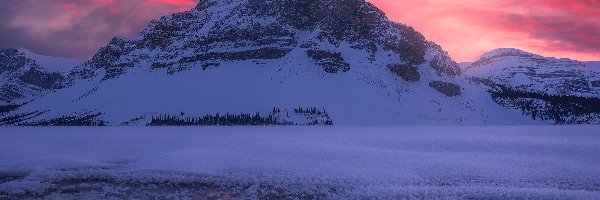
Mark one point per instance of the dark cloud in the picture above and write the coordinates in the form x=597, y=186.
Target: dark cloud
x=77, y=28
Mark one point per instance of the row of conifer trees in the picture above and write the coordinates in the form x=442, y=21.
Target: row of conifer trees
x=242, y=119
x=561, y=109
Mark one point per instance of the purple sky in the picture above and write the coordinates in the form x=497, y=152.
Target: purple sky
x=77, y=28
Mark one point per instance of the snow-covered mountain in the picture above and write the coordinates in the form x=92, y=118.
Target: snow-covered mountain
x=258, y=62
x=25, y=76
x=555, y=90
x=269, y=62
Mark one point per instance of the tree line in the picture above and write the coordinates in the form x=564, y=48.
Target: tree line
x=562, y=109
x=8, y=108
x=83, y=120
x=242, y=119
x=216, y=120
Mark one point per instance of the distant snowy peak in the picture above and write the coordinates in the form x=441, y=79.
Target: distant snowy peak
x=531, y=72
x=558, y=90
x=22, y=79
x=510, y=58
x=12, y=60
x=507, y=52
x=51, y=63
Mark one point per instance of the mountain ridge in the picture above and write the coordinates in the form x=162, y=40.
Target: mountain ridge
x=249, y=62
x=561, y=91
x=25, y=75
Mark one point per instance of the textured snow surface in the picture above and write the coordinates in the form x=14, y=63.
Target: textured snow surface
x=593, y=65
x=496, y=162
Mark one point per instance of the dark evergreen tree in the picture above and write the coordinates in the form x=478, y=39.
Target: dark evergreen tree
x=242, y=119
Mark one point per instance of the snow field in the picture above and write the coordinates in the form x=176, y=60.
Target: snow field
x=445, y=162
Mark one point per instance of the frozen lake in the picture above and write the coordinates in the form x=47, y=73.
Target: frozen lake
x=496, y=162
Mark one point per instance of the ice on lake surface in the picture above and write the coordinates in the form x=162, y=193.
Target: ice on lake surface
x=496, y=162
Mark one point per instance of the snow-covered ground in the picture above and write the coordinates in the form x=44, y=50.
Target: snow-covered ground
x=495, y=162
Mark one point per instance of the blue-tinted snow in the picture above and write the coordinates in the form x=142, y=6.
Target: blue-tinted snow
x=535, y=162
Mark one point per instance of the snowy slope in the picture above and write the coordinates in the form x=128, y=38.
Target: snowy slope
x=51, y=63
x=551, y=89
x=507, y=162
x=530, y=72
x=239, y=56
x=24, y=76
x=593, y=65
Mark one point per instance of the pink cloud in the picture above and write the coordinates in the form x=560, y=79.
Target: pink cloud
x=185, y=3
x=468, y=28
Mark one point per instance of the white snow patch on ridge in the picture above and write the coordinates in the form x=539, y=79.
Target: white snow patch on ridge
x=56, y=64
x=529, y=162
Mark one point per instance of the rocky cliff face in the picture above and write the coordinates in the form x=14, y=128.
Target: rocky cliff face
x=236, y=30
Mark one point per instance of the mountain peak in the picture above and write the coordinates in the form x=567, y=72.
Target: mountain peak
x=507, y=52
x=22, y=79
x=512, y=56
x=261, y=55
x=235, y=30
x=13, y=59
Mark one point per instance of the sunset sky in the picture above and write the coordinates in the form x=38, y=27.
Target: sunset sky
x=465, y=28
